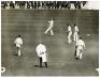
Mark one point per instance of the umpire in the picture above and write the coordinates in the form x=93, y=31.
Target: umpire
x=41, y=53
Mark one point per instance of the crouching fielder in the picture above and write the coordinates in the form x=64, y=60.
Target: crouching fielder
x=18, y=43
x=41, y=53
x=79, y=47
x=50, y=27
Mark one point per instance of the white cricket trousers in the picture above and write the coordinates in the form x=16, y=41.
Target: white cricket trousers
x=75, y=36
x=79, y=53
x=19, y=51
x=69, y=37
x=49, y=30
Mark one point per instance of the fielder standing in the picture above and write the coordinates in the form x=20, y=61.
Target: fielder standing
x=69, y=29
x=41, y=53
x=50, y=27
x=75, y=34
x=18, y=43
x=79, y=47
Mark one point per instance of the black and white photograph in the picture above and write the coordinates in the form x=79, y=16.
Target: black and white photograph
x=49, y=38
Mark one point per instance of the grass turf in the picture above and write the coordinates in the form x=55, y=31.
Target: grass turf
x=31, y=24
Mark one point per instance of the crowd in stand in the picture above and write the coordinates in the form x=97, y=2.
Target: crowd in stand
x=43, y=4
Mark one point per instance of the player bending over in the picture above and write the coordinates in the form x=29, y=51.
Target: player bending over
x=79, y=47
x=18, y=43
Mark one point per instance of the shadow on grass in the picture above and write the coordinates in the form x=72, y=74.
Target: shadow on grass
x=36, y=66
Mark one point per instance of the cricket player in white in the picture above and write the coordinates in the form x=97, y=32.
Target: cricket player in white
x=18, y=42
x=76, y=31
x=79, y=47
x=50, y=28
x=69, y=34
x=41, y=53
